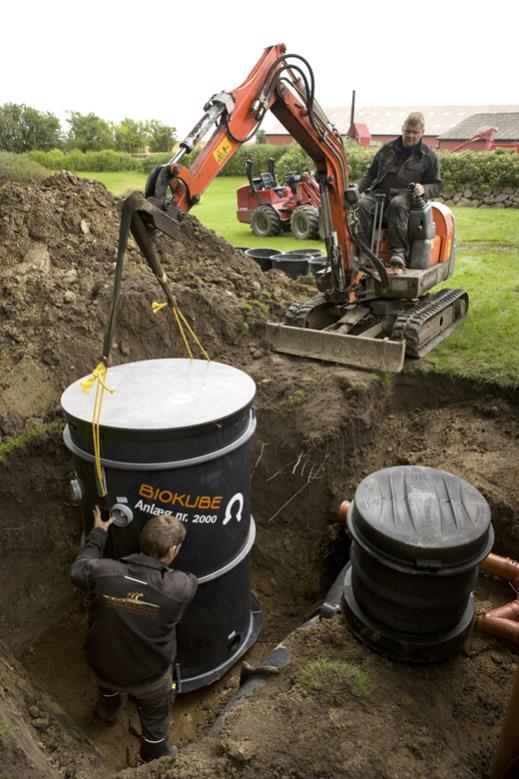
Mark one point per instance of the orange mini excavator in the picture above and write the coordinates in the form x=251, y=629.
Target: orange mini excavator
x=363, y=315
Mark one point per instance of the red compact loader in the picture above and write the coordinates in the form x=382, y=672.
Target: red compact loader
x=270, y=208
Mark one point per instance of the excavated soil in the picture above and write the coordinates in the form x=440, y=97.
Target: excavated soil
x=321, y=428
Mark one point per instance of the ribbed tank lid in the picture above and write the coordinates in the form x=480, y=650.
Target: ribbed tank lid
x=423, y=516
x=164, y=394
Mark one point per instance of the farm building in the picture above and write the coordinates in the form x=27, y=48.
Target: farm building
x=385, y=122
x=481, y=132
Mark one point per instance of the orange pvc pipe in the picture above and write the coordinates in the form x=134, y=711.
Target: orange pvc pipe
x=505, y=761
x=342, y=511
x=504, y=567
x=508, y=611
x=506, y=629
x=503, y=623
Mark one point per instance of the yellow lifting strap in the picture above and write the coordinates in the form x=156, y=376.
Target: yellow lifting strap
x=182, y=325
x=98, y=377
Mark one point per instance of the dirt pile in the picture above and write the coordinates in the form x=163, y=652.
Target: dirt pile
x=58, y=245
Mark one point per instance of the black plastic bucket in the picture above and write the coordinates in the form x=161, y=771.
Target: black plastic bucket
x=418, y=536
x=175, y=439
x=263, y=257
x=293, y=265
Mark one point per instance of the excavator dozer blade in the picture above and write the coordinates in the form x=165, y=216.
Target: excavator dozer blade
x=354, y=350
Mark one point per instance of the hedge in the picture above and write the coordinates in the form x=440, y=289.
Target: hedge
x=106, y=160
x=499, y=168
x=17, y=167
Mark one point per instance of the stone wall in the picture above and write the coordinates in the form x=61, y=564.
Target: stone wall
x=476, y=196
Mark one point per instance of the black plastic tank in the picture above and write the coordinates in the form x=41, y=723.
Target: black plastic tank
x=175, y=439
x=293, y=265
x=263, y=257
x=418, y=536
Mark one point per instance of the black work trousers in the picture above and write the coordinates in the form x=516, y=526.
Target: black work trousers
x=396, y=214
x=154, y=700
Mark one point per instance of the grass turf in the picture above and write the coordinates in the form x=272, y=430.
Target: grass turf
x=119, y=183
x=484, y=348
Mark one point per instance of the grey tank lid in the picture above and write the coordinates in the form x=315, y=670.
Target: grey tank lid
x=164, y=394
x=423, y=516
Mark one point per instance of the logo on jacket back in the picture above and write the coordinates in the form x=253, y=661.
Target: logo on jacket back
x=133, y=602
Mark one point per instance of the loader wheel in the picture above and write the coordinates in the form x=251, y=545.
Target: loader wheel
x=304, y=223
x=265, y=221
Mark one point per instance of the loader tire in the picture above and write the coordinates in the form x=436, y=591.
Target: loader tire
x=304, y=223
x=265, y=221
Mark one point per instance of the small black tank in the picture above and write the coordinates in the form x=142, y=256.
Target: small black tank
x=418, y=536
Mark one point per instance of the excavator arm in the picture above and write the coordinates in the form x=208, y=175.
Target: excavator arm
x=282, y=83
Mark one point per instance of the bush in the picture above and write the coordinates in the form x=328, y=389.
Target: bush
x=109, y=160
x=75, y=159
x=499, y=168
x=17, y=167
x=359, y=158
x=294, y=160
x=146, y=164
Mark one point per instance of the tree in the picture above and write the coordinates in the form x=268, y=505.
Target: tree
x=261, y=136
x=23, y=129
x=130, y=136
x=161, y=137
x=88, y=132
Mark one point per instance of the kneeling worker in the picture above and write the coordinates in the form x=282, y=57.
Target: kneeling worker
x=135, y=606
x=396, y=165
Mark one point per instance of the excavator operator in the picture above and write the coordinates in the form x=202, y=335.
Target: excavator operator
x=396, y=165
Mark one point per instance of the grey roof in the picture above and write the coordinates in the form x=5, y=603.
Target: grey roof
x=387, y=120
x=505, y=124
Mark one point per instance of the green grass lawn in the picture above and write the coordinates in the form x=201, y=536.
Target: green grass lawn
x=217, y=211
x=485, y=347
x=119, y=183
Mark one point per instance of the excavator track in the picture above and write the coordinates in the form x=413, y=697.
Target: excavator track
x=430, y=321
x=313, y=330
x=298, y=313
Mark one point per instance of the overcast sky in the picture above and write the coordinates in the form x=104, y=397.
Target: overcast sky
x=163, y=60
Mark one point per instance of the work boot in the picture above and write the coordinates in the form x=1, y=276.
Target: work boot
x=152, y=751
x=110, y=705
x=397, y=260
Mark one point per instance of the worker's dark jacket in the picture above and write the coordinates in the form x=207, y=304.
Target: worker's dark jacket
x=136, y=603
x=387, y=173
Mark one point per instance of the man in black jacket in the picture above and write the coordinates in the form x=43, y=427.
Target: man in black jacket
x=135, y=606
x=396, y=165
